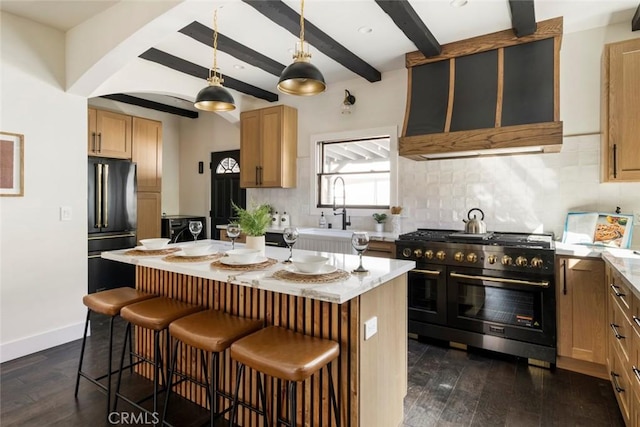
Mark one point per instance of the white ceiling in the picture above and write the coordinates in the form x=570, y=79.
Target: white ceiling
x=383, y=48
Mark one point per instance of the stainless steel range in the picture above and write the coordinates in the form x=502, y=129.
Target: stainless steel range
x=492, y=290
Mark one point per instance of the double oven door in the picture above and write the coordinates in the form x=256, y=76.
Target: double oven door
x=505, y=304
x=491, y=302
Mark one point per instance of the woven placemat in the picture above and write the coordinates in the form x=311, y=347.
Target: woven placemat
x=185, y=258
x=290, y=276
x=259, y=266
x=155, y=252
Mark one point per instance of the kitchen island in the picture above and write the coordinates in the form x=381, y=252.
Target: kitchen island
x=371, y=373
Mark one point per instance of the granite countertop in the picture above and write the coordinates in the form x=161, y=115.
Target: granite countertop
x=381, y=270
x=332, y=233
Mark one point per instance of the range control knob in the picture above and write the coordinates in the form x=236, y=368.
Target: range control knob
x=418, y=253
x=492, y=259
x=506, y=260
x=536, y=262
x=406, y=252
x=428, y=254
x=459, y=256
x=441, y=255
x=472, y=257
x=521, y=261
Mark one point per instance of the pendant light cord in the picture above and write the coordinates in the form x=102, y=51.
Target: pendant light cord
x=213, y=72
x=302, y=25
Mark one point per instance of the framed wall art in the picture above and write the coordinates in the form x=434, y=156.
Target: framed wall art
x=11, y=164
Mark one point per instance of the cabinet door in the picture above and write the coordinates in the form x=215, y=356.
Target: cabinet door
x=581, y=300
x=271, y=132
x=114, y=135
x=92, y=133
x=242, y=238
x=621, y=127
x=147, y=153
x=149, y=215
x=381, y=249
x=250, y=150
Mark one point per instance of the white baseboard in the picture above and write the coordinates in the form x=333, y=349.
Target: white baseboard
x=25, y=346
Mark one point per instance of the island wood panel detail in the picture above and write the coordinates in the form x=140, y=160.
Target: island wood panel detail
x=338, y=322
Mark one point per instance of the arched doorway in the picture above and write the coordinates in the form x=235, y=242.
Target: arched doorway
x=225, y=187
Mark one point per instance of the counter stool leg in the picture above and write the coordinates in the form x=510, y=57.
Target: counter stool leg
x=156, y=369
x=263, y=400
x=332, y=396
x=174, y=359
x=84, y=342
x=213, y=390
x=293, y=387
x=127, y=333
x=131, y=353
x=279, y=403
x=234, y=409
x=109, y=364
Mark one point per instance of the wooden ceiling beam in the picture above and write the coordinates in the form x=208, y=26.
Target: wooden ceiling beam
x=635, y=21
x=287, y=18
x=195, y=70
x=145, y=103
x=523, y=17
x=407, y=20
x=204, y=35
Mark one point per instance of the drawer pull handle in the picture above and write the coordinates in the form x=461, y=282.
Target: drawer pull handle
x=615, y=291
x=637, y=372
x=614, y=379
x=432, y=272
x=615, y=331
x=637, y=320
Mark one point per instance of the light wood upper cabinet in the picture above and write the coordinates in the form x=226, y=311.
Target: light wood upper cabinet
x=268, y=147
x=147, y=153
x=581, y=310
x=149, y=214
x=620, y=110
x=109, y=134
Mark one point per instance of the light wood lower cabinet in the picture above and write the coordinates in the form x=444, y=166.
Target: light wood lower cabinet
x=623, y=358
x=381, y=249
x=581, y=315
x=242, y=238
x=149, y=214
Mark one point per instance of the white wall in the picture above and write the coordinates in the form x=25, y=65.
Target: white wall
x=170, y=147
x=43, y=264
x=531, y=192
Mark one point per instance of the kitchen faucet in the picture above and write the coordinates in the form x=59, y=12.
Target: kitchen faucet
x=344, y=203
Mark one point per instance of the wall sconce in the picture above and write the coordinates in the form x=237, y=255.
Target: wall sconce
x=348, y=102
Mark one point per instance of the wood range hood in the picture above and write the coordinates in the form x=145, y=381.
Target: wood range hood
x=495, y=94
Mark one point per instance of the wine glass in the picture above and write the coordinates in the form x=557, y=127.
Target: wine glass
x=233, y=231
x=360, y=242
x=290, y=235
x=195, y=227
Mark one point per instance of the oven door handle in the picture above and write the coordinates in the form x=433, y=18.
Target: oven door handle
x=431, y=272
x=543, y=284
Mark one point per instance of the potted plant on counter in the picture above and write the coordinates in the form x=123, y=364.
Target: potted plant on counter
x=254, y=223
x=380, y=220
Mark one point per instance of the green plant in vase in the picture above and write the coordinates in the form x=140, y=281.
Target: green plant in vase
x=254, y=223
x=380, y=219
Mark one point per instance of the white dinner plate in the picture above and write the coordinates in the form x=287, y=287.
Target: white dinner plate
x=181, y=254
x=258, y=260
x=326, y=269
x=142, y=248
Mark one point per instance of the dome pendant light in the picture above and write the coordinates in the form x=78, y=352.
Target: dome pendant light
x=215, y=97
x=301, y=78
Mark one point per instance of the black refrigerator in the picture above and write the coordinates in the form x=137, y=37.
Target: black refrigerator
x=112, y=211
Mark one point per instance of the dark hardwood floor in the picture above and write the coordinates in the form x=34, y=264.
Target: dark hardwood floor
x=447, y=387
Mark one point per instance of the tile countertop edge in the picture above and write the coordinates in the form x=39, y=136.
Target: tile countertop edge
x=334, y=292
x=624, y=261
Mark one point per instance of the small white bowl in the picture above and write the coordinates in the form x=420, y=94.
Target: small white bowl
x=243, y=256
x=154, y=244
x=196, y=250
x=309, y=263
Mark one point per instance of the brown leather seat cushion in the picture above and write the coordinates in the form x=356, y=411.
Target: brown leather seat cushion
x=285, y=354
x=157, y=313
x=111, y=302
x=212, y=330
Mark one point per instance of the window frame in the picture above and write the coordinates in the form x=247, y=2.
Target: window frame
x=315, y=160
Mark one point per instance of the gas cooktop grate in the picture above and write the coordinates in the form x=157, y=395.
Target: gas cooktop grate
x=528, y=240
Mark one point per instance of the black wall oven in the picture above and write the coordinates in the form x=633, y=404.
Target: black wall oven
x=492, y=296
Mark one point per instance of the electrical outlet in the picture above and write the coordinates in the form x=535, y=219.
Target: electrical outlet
x=370, y=327
x=66, y=213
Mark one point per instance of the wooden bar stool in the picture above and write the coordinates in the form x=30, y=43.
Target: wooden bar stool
x=285, y=355
x=109, y=303
x=212, y=332
x=155, y=315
